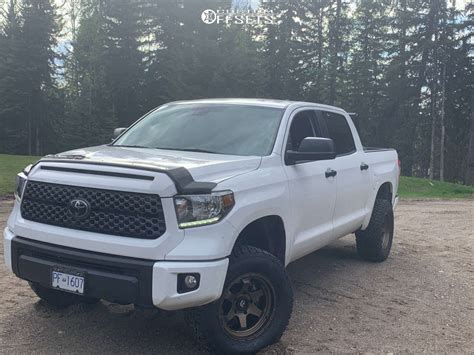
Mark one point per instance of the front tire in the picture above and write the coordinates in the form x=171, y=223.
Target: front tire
x=255, y=306
x=375, y=242
x=59, y=299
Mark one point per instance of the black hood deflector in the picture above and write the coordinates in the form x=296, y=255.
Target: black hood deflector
x=181, y=177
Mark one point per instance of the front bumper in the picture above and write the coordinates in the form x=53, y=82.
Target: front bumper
x=116, y=278
x=395, y=201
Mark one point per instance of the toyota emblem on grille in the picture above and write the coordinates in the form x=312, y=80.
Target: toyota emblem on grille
x=79, y=208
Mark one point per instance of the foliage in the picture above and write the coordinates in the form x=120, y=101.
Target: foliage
x=412, y=187
x=12, y=165
x=26, y=74
x=405, y=67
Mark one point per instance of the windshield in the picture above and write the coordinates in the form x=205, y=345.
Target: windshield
x=213, y=128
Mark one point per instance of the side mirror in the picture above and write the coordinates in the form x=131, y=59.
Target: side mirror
x=312, y=149
x=118, y=132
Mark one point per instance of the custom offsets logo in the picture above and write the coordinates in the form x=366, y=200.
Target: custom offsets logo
x=238, y=17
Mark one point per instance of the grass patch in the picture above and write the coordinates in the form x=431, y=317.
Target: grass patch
x=10, y=165
x=412, y=187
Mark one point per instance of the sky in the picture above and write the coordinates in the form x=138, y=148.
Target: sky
x=246, y=3
x=255, y=3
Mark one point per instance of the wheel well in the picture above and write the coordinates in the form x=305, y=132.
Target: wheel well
x=267, y=233
x=385, y=192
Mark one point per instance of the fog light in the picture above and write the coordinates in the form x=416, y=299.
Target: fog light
x=188, y=282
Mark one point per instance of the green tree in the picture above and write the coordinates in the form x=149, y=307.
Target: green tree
x=408, y=53
x=284, y=49
x=27, y=65
x=365, y=85
x=187, y=52
x=123, y=59
x=457, y=62
x=13, y=93
x=90, y=117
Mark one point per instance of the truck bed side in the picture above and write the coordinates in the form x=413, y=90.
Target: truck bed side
x=384, y=170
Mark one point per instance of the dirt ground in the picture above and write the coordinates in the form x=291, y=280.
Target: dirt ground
x=420, y=300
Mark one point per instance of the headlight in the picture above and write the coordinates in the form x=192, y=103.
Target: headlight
x=200, y=210
x=20, y=181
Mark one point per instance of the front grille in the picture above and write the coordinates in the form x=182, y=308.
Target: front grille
x=126, y=214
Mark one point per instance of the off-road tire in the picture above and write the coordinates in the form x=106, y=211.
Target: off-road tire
x=374, y=243
x=209, y=327
x=59, y=299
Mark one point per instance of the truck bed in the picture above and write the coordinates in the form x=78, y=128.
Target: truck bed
x=375, y=149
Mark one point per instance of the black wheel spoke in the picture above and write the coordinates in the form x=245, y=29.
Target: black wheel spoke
x=256, y=295
x=247, y=284
x=253, y=309
x=242, y=320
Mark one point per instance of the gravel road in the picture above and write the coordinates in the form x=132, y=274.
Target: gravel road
x=420, y=300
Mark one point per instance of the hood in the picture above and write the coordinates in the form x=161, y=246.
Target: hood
x=202, y=166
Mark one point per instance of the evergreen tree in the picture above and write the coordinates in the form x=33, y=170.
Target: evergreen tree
x=405, y=67
x=365, y=87
x=13, y=93
x=123, y=59
x=187, y=52
x=89, y=108
x=27, y=66
x=316, y=90
x=456, y=56
x=339, y=28
x=405, y=77
x=239, y=71
x=284, y=49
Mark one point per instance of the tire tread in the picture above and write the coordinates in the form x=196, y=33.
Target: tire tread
x=197, y=316
x=368, y=241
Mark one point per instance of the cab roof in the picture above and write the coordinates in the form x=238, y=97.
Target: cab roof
x=283, y=104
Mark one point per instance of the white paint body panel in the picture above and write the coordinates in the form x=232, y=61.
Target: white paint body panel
x=7, y=247
x=165, y=276
x=315, y=210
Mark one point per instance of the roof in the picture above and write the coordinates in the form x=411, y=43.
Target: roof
x=257, y=102
x=239, y=101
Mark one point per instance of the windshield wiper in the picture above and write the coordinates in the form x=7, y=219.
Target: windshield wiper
x=198, y=150
x=164, y=148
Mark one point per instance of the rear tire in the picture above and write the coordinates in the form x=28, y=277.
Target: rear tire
x=59, y=299
x=255, y=306
x=375, y=242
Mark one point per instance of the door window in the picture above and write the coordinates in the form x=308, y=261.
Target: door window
x=340, y=132
x=302, y=126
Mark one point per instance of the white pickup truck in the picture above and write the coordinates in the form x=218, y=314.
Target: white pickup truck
x=202, y=204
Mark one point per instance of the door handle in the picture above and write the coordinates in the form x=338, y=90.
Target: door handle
x=330, y=172
x=364, y=166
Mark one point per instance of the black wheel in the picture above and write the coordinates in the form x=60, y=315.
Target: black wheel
x=255, y=306
x=59, y=299
x=375, y=242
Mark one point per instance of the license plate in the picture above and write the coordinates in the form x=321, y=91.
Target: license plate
x=68, y=281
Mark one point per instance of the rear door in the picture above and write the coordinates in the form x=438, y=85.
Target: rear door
x=352, y=179
x=312, y=194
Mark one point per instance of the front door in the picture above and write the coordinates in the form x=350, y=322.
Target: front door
x=312, y=194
